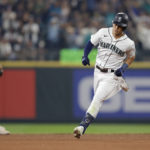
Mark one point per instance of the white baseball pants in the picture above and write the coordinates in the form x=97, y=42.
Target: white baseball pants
x=106, y=85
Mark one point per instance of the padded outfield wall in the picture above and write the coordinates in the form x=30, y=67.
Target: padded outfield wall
x=55, y=92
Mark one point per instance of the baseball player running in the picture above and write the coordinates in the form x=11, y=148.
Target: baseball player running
x=116, y=52
x=3, y=131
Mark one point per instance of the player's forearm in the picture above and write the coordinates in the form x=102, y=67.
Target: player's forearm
x=130, y=60
x=88, y=48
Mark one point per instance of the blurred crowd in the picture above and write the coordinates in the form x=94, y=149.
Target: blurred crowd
x=39, y=29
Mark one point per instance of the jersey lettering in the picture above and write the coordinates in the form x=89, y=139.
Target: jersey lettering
x=112, y=47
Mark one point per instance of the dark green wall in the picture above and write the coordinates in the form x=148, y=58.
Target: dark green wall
x=54, y=94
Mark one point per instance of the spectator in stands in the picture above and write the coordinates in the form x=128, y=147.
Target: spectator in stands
x=64, y=24
x=5, y=49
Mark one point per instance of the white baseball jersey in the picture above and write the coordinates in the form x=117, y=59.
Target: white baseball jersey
x=112, y=52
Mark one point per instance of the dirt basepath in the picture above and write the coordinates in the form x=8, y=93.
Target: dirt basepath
x=68, y=142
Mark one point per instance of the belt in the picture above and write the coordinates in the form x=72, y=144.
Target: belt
x=105, y=69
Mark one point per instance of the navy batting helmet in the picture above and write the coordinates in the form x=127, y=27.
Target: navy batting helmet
x=121, y=19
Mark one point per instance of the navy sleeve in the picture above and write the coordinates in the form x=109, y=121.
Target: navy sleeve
x=88, y=48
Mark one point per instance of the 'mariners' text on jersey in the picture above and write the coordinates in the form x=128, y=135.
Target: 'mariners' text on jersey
x=112, y=47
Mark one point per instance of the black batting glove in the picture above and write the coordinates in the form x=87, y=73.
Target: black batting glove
x=85, y=61
x=119, y=72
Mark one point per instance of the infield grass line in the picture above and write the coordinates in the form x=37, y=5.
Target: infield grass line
x=52, y=128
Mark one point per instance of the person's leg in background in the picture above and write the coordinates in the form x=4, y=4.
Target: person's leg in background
x=3, y=131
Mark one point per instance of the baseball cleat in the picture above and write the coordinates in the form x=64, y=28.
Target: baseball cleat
x=3, y=131
x=78, y=131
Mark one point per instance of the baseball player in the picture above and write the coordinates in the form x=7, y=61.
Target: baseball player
x=116, y=52
x=3, y=131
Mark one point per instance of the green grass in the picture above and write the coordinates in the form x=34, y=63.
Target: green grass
x=32, y=128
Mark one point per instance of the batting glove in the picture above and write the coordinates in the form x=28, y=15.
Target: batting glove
x=119, y=72
x=85, y=61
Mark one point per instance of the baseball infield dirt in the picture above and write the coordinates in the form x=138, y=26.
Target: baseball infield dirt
x=68, y=142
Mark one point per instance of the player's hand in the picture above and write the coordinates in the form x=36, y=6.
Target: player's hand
x=119, y=72
x=85, y=61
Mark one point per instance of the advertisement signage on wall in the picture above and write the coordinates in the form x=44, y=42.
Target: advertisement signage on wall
x=134, y=104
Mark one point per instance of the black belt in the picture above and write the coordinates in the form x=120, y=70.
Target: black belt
x=105, y=69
